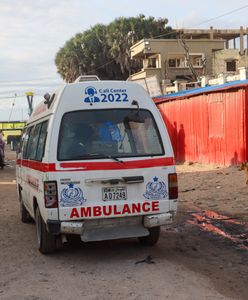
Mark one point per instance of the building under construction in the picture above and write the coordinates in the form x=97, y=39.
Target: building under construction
x=193, y=54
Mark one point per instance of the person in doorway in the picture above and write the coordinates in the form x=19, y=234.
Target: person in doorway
x=2, y=144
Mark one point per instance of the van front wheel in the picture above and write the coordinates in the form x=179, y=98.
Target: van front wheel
x=152, y=238
x=46, y=241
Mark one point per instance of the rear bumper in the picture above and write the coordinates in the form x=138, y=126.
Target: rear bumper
x=79, y=227
x=157, y=220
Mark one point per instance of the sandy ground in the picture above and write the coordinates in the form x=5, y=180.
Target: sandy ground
x=204, y=255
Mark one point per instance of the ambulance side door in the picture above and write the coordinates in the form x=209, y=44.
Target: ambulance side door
x=24, y=170
x=33, y=176
x=19, y=157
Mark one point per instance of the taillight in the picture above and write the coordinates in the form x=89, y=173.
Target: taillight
x=50, y=194
x=173, y=187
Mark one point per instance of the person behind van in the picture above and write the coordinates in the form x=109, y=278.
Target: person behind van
x=105, y=138
x=109, y=132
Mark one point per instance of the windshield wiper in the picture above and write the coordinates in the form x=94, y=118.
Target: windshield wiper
x=115, y=158
x=100, y=155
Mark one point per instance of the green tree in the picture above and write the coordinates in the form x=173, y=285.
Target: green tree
x=104, y=50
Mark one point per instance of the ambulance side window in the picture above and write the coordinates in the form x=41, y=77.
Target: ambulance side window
x=42, y=141
x=25, y=142
x=22, y=141
x=33, y=141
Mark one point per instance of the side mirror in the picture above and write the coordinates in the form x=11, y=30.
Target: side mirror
x=49, y=99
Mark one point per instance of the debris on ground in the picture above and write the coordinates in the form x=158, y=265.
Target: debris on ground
x=147, y=260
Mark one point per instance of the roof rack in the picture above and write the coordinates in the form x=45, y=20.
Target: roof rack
x=87, y=78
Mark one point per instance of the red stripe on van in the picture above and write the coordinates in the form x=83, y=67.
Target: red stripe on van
x=145, y=163
x=36, y=165
x=90, y=166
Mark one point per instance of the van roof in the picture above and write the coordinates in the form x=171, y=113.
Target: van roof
x=83, y=78
x=108, y=94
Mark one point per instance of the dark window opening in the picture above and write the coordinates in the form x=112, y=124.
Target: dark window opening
x=152, y=62
x=172, y=63
x=231, y=66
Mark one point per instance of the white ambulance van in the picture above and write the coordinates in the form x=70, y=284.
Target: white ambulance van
x=95, y=160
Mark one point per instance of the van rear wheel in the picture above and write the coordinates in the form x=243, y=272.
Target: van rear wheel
x=46, y=241
x=152, y=238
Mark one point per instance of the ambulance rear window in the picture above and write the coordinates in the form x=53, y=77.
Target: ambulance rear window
x=108, y=133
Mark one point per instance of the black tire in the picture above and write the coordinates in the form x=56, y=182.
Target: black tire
x=46, y=241
x=25, y=216
x=152, y=238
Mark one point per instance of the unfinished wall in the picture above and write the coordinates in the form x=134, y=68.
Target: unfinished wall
x=221, y=57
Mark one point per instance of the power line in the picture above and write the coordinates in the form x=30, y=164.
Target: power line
x=220, y=16
x=28, y=80
x=217, y=17
x=11, y=97
x=102, y=66
x=17, y=96
x=165, y=34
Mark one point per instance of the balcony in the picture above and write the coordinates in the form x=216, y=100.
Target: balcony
x=147, y=72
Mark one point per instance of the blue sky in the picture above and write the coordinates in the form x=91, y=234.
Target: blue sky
x=32, y=31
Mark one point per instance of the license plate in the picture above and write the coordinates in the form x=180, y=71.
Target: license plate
x=114, y=193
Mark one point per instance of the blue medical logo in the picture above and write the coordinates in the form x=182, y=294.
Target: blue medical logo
x=91, y=91
x=155, y=190
x=71, y=196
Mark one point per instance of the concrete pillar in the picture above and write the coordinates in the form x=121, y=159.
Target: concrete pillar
x=204, y=81
x=222, y=78
x=211, y=33
x=243, y=73
x=227, y=44
x=241, y=40
x=246, y=37
x=176, y=86
x=234, y=43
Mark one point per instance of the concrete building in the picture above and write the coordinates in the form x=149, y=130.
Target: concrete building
x=228, y=61
x=195, y=53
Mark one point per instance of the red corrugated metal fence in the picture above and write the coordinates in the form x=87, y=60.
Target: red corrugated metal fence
x=210, y=127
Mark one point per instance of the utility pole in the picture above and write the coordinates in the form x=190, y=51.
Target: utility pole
x=187, y=57
x=12, y=107
x=30, y=96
